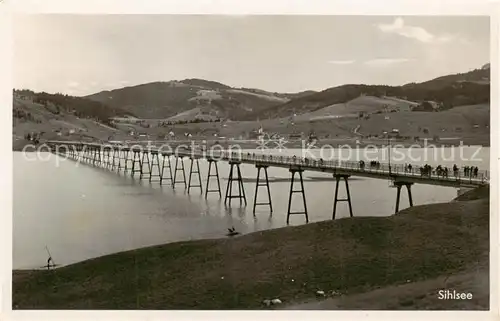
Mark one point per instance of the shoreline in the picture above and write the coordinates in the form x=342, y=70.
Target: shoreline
x=18, y=145
x=295, y=263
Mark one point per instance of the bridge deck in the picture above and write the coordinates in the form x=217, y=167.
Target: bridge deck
x=394, y=172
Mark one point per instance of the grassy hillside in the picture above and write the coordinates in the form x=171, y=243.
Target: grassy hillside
x=478, y=75
x=201, y=99
x=452, y=90
x=351, y=255
x=455, y=122
x=54, y=123
x=81, y=107
x=458, y=122
x=162, y=100
x=166, y=105
x=362, y=104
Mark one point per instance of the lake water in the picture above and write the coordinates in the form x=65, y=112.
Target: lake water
x=80, y=212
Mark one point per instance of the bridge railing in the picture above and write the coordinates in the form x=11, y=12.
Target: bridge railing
x=353, y=166
x=382, y=168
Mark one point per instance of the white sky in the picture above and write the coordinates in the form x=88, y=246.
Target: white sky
x=84, y=54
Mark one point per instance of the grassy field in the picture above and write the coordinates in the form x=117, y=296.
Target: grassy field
x=469, y=124
x=349, y=256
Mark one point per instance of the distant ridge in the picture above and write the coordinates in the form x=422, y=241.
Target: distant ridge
x=190, y=99
x=468, y=88
x=199, y=99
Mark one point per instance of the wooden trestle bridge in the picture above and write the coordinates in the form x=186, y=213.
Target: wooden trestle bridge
x=154, y=164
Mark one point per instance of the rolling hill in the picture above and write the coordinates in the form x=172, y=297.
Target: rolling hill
x=194, y=105
x=469, y=88
x=80, y=107
x=361, y=104
x=198, y=99
x=191, y=99
x=50, y=121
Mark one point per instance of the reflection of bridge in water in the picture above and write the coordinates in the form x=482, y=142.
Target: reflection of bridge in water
x=154, y=164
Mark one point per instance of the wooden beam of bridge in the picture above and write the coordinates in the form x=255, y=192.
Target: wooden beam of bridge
x=395, y=173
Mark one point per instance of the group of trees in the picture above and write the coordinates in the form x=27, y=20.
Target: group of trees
x=190, y=121
x=35, y=137
x=24, y=116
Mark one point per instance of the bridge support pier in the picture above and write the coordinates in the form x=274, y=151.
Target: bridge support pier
x=126, y=158
x=136, y=163
x=169, y=166
x=196, y=171
x=257, y=184
x=111, y=160
x=179, y=169
x=100, y=157
x=122, y=160
x=216, y=175
x=239, y=179
x=155, y=157
x=104, y=157
x=145, y=161
x=348, y=199
x=408, y=188
x=292, y=191
x=115, y=158
x=97, y=157
x=92, y=156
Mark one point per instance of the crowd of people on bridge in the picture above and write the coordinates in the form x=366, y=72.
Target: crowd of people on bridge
x=443, y=171
x=471, y=171
x=425, y=170
x=428, y=170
